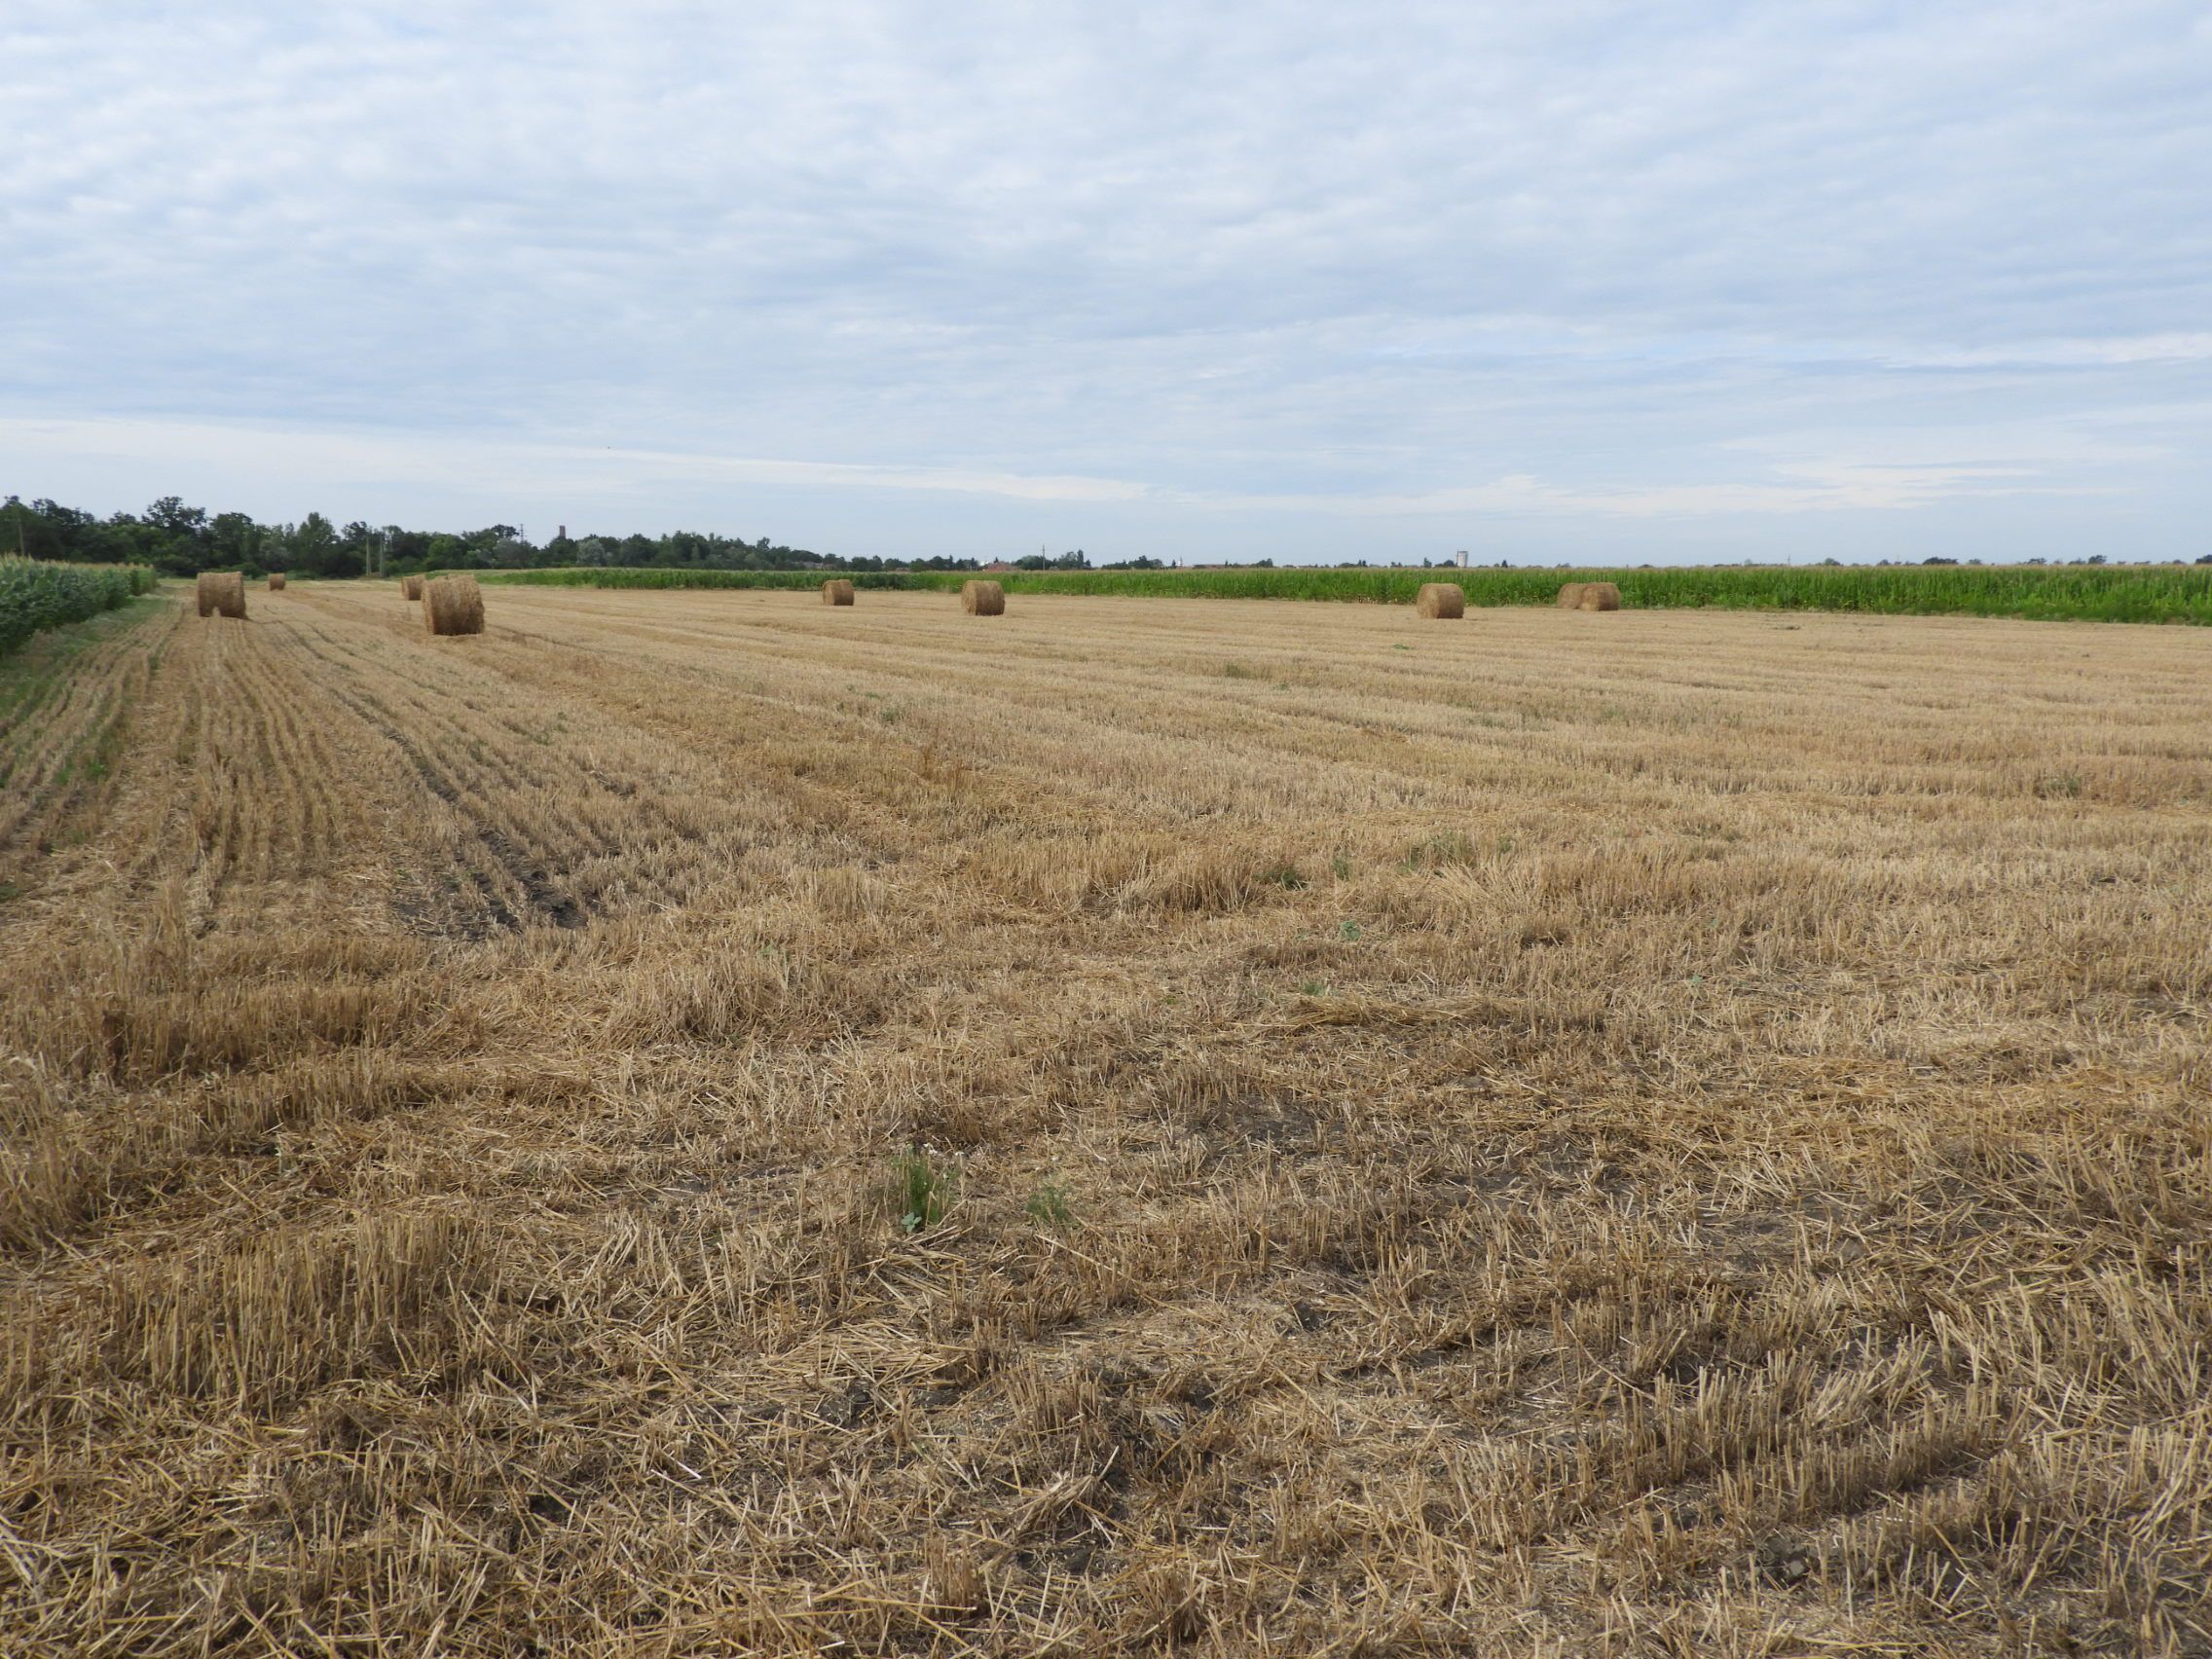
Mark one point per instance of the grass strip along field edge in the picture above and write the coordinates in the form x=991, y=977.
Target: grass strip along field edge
x=37, y=594
x=2099, y=593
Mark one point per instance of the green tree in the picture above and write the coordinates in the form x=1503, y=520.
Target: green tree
x=315, y=550
x=15, y=527
x=232, y=539
x=360, y=543
x=173, y=518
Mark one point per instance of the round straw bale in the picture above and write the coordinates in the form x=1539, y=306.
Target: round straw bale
x=452, y=605
x=837, y=591
x=1570, y=595
x=1600, y=596
x=411, y=588
x=275, y=581
x=982, y=599
x=220, y=593
x=1444, y=600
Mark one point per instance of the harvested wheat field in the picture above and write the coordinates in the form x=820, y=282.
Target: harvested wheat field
x=702, y=1123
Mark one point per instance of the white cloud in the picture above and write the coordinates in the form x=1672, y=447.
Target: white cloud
x=364, y=461
x=2193, y=347
x=1832, y=488
x=1177, y=264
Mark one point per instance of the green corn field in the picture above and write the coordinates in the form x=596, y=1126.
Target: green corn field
x=38, y=593
x=2100, y=593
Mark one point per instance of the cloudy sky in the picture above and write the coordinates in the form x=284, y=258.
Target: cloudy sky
x=1564, y=279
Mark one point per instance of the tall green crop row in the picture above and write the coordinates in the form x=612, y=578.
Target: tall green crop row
x=2106, y=593
x=37, y=593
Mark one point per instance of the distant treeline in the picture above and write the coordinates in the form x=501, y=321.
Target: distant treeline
x=177, y=540
x=2088, y=592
